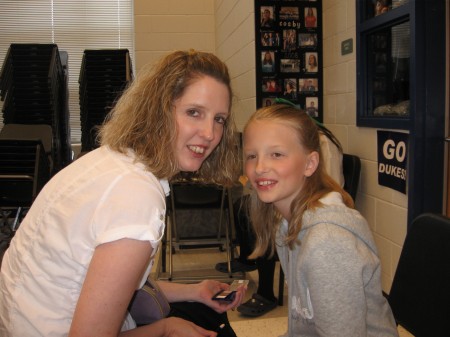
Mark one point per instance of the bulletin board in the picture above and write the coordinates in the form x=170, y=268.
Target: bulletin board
x=289, y=60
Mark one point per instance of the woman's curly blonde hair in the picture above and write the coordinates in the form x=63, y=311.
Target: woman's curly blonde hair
x=143, y=119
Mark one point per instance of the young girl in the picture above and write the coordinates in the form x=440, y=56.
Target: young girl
x=89, y=240
x=264, y=299
x=325, y=246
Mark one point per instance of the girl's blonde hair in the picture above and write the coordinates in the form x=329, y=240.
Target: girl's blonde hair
x=143, y=119
x=264, y=216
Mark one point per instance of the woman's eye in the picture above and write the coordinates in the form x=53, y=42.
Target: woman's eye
x=277, y=155
x=221, y=120
x=192, y=112
x=250, y=156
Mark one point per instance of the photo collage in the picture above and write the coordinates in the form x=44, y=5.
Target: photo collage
x=289, y=53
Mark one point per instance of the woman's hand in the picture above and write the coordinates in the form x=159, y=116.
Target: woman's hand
x=208, y=288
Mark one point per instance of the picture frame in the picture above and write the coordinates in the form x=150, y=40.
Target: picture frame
x=286, y=37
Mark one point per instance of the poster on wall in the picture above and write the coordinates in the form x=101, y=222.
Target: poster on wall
x=392, y=159
x=288, y=40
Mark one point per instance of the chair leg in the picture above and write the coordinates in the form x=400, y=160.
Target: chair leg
x=169, y=247
x=164, y=250
x=16, y=222
x=231, y=224
x=228, y=248
x=281, y=287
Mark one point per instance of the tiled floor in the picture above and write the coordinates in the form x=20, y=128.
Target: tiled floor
x=189, y=262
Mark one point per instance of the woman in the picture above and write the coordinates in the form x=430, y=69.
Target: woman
x=311, y=66
x=310, y=18
x=267, y=62
x=266, y=19
x=290, y=91
x=325, y=246
x=89, y=240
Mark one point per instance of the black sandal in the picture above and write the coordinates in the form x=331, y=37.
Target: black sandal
x=256, y=306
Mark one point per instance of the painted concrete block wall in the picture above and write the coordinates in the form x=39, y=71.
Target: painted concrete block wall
x=226, y=27
x=384, y=209
x=235, y=44
x=162, y=26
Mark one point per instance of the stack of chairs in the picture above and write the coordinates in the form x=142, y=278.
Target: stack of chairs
x=24, y=170
x=104, y=74
x=34, y=88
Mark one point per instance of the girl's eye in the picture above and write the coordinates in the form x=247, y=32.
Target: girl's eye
x=277, y=155
x=220, y=120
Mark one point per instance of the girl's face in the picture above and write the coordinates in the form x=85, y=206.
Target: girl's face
x=276, y=163
x=200, y=113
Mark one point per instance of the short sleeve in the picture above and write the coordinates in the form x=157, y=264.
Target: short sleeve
x=134, y=208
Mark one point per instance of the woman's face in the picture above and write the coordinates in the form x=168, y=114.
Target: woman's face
x=311, y=60
x=200, y=114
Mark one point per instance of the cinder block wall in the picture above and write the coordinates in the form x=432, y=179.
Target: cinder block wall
x=162, y=26
x=384, y=208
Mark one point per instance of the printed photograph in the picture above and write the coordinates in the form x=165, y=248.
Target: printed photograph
x=268, y=101
x=289, y=40
x=290, y=88
x=270, y=84
x=308, y=85
x=289, y=13
x=267, y=17
x=270, y=39
x=289, y=65
x=312, y=106
x=268, y=61
x=310, y=17
x=311, y=63
x=307, y=40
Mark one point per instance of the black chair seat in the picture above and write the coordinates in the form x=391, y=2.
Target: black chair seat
x=420, y=292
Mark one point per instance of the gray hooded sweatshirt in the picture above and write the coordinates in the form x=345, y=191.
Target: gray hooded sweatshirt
x=334, y=276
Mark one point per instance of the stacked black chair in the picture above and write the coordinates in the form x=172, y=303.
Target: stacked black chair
x=34, y=87
x=104, y=74
x=24, y=170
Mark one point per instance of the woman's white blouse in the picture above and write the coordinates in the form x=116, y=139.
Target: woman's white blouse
x=102, y=197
